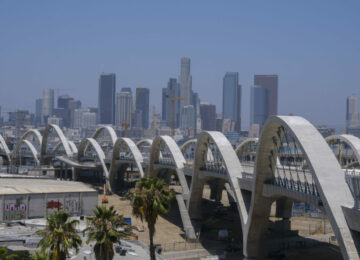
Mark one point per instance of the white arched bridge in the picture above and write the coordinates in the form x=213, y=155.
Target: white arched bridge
x=290, y=162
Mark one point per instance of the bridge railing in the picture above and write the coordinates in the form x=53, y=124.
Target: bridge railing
x=215, y=167
x=126, y=157
x=352, y=178
x=246, y=175
x=296, y=185
x=166, y=161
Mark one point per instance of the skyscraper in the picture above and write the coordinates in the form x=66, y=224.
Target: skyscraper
x=208, y=117
x=63, y=104
x=84, y=118
x=124, y=103
x=63, y=101
x=74, y=104
x=143, y=106
x=258, y=105
x=185, y=81
x=197, y=117
x=352, y=114
x=187, y=117
x=106, y=101
x=173, y=89
x=47, y=104
x=232, y=99
x=270, y=82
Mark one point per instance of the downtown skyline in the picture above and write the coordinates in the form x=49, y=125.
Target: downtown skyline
x=311, y=58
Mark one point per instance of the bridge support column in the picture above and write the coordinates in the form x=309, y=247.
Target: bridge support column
x=62, y=174
x=216, y=188
x=283, y=211
x=66, y=172
x=75, y=174
x=72, y=173
x=194, y=202
x=283, y=208
x=188, y=180
x=218, y=191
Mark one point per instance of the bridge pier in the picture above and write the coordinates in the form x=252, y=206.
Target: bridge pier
x=66, y=172
x=188, y=180
x=194, y=202
x=61, y=172
x=117, y=177
x=76, y=173
x=216, y=188
x=283, y=208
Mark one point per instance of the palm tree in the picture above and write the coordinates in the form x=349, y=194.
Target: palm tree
x=4, y=254
x=104, y=229
x=59, y=235
x=42, y=256
x=149, y=199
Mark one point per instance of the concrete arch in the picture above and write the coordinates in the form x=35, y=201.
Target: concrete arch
x=31, y=147
x=140, y=144
x=187, y=144
x=190, y=142
x=184, y=148
x=33, y=132
x=62, y=138
x=244, y=145
x=176, y=155
x=109, y=130
x=5, y=148
x=71, y=144
x=99, y=153
x=73, y=147
x=333, y=191
x=136, y=154
x=144, y=142
x=233, y=171
x=352, y=141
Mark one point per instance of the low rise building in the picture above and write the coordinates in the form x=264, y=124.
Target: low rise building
x=24, y=198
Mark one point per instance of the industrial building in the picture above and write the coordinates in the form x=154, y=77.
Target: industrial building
x=37, y=198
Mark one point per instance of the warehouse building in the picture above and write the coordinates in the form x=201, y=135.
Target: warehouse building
x=37, y=198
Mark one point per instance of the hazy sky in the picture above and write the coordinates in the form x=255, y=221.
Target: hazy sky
x=314, y=47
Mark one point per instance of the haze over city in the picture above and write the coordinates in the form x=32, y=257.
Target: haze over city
x=168, y=129
x=313, y=47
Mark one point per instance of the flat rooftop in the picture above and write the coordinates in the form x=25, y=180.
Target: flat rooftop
x=9, y=186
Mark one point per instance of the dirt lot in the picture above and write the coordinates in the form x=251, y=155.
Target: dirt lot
x=169, y=230
x=166, y=231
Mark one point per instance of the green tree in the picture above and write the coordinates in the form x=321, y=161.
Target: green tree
x=149, y=199
x=104, y=228
x=59, y=235
x=4, y=255
x=42, y=256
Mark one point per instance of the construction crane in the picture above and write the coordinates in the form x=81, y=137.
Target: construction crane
x=173, y=98
x=127, y=124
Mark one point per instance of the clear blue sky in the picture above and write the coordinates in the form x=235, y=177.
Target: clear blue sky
x=314, y=47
